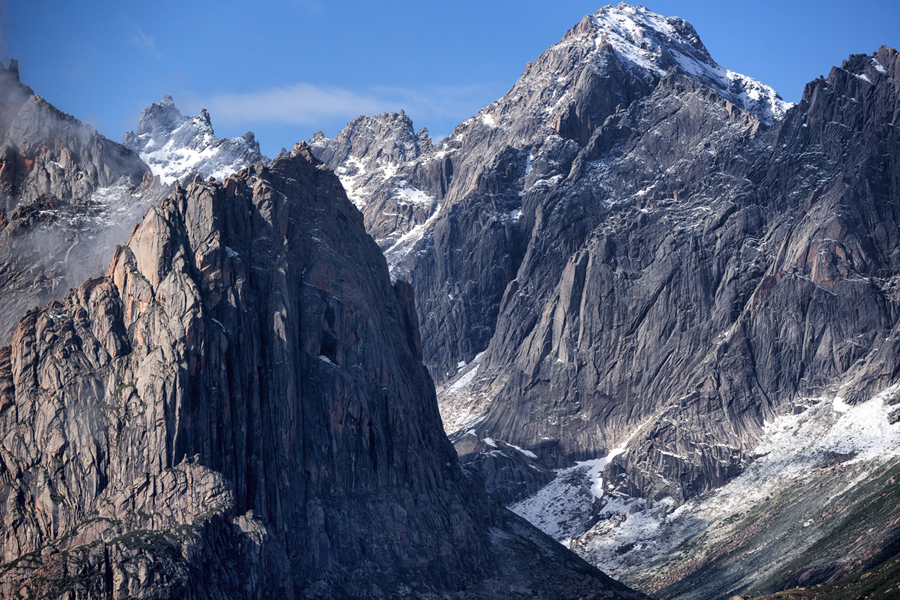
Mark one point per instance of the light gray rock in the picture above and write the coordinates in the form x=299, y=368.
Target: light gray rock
x=237, y=409
x=67, y=196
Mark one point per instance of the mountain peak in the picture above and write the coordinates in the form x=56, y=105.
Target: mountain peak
x=647, y=38
x=652, y=44
x=160, y=116
x=177, y=147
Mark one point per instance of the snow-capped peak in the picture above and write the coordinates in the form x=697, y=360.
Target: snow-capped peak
x=175, y=146
x=654, y=44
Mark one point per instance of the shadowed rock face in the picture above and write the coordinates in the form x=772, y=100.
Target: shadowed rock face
x=697, y=276
x=640, y=259
x=238, y=409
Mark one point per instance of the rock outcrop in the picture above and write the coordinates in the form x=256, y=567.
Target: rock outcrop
x=177, y=147
x=237, y=409
x=46, y=153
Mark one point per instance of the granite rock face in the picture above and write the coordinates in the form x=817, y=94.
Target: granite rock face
x=47, y=153
x=650, y=260
x=696, y=276
x=642, y=259
x=177, y=147
x=67, y=196
x=237, y=409
x=369, y=155
x=756, y=272
x=468, y=239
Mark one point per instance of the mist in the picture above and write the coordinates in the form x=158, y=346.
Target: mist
x=67, y=196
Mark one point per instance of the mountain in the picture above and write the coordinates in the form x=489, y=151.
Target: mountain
x=67, y=196
x=644, y=276
x=178, y=147
x=470, y=189
x=237, y=409
x=810, y=352
x=366, y=156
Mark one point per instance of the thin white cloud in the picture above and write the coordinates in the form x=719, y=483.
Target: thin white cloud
x=299, y=104
x=145, y=42
x=308, y=104
x=312, y=6
x=141, y=40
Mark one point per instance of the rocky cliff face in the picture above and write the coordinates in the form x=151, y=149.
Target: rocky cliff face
x=46, y=153
x=685, y=318
x=178, y=147
x=370, y=156
x=237, y=409
x=67, y=196
x=471, y=235
x=640, y=263
x=697, y=277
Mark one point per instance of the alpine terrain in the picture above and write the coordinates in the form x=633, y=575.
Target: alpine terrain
x=177, y=147
x=237, y=407
x=661, y=303
x=67, y=196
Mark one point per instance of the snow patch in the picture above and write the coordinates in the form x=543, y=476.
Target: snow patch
x=455, y=398
x=879, y=67
x=527, y=453
x=414, y=196
x=627, y=534
x=651, y=43
x=407, y=241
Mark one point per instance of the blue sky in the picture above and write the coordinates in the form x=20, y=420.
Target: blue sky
x=286, y=68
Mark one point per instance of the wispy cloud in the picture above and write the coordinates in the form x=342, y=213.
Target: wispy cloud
x=138, y=38
x=144, y=42
x=299, y=104
x=313, y=6
x=308, y=104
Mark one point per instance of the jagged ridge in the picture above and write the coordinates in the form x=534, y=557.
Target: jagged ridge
x=236, y=410
x=178, y=147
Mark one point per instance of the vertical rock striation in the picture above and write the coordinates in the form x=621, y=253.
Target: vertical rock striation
x=238, y=409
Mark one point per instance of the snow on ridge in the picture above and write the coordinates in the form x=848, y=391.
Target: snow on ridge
x=175, y=146
x=655, y=43
x=405, y=243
